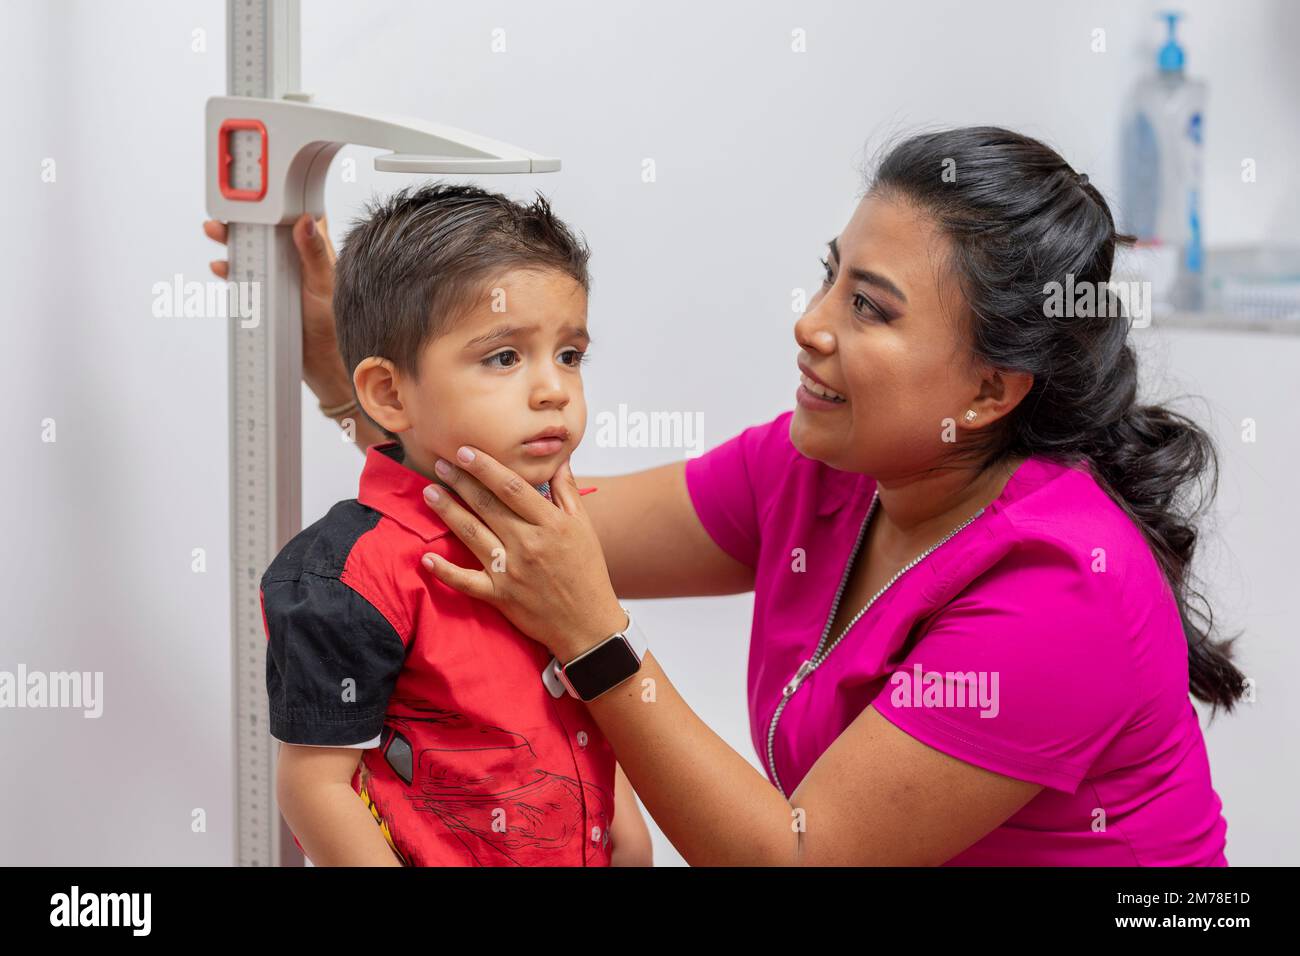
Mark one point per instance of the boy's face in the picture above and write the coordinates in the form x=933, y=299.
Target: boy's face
x=503, y=375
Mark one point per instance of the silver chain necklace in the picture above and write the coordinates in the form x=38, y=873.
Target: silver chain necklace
x=823, y=651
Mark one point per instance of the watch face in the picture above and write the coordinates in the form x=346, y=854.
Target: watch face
x=601, y=668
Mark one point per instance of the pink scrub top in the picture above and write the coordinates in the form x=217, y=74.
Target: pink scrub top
x=1040, y=641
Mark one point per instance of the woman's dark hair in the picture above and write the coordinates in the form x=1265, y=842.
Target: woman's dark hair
x=1018, y=219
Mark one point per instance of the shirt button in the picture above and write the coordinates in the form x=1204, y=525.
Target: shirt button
x=582, y=738
x=595, y=834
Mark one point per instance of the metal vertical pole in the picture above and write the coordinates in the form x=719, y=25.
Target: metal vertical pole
x=263, y=43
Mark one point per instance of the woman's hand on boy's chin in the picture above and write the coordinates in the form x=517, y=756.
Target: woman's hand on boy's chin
x=543, y=567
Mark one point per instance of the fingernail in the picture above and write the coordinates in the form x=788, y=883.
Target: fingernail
x=464, y=454
x=431, y=492
x=427, y=562
x=311, y=227
x=442, y=468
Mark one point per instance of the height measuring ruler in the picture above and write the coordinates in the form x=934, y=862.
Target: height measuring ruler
x=265, y=430
x=268, y=149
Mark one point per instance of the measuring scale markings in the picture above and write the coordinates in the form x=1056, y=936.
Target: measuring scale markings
x=258, y=49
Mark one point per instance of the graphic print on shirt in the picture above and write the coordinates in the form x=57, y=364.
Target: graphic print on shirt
x=481, y=784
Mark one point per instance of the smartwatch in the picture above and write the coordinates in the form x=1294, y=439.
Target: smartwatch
x=600, y=669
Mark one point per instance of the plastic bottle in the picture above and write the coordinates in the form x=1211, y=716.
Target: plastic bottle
x=1162, y=146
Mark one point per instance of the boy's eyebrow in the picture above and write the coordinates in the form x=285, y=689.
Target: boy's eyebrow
x=870, y=278
x=509, y=331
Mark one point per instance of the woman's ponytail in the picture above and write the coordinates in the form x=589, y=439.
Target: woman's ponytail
x=1149, y=461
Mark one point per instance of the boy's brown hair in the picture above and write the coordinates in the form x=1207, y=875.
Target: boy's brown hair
x=419, y=259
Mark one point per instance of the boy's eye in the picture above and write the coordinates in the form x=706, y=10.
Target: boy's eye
x=491, y=360
x=830, y=278
x=573, y=357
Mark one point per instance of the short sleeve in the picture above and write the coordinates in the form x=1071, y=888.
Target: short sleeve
x=729, y=490
x=1024, y=673
x=332, y=661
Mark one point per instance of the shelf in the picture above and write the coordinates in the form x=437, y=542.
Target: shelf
x=1223, y=322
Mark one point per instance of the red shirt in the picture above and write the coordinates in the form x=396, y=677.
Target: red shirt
x=469, y=760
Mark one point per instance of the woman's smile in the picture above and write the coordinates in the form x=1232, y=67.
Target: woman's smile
x=814, y=393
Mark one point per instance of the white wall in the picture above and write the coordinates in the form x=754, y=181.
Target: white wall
x=756, y=149
x=1244, y=388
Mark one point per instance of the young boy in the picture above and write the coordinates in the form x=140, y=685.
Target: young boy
x=463, y=315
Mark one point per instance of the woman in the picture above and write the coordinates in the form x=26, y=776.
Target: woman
x=973, y=632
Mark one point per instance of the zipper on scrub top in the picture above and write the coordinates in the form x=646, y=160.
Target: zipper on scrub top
x=823, y=651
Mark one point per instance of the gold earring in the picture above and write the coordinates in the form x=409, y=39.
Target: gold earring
x=970, y=415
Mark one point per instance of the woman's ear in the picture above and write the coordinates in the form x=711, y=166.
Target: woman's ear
x=1000, y=392
x=377, y=383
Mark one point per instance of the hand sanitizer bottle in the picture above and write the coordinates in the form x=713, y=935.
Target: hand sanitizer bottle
x=1162, y=173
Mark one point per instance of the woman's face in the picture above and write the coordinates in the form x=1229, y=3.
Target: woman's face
x=885, y=333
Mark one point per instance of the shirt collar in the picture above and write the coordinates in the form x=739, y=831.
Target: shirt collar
x=397, y=491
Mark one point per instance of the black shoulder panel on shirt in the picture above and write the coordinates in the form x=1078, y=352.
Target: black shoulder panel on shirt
x=323, y=547
x=332, y=658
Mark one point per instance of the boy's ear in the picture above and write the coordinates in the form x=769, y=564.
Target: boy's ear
x=376, y=381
